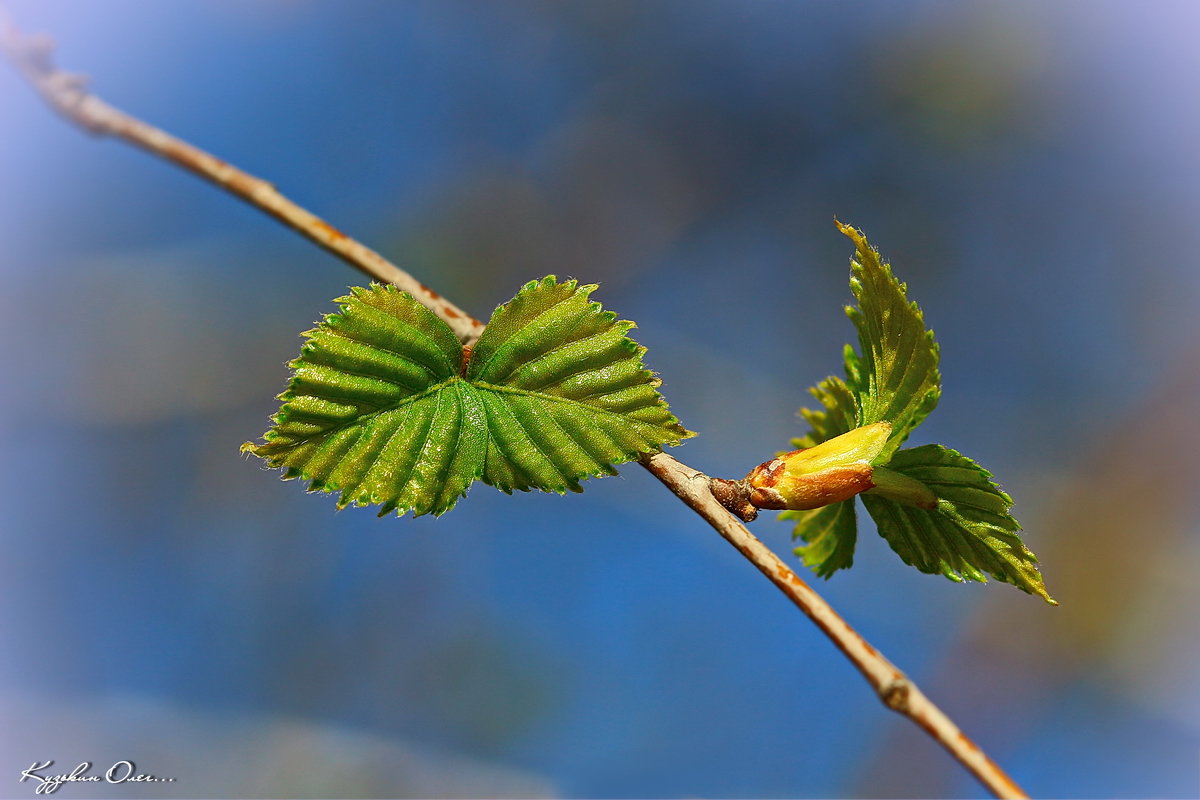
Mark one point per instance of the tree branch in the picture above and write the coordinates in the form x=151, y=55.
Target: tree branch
x=66, y=93
x=893, y=687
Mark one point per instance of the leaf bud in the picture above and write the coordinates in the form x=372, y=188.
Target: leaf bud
x=833, y=471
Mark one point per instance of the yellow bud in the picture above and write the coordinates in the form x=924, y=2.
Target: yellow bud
x=832, y=471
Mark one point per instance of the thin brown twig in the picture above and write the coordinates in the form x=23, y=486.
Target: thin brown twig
x=66, y=93
x=893, y=687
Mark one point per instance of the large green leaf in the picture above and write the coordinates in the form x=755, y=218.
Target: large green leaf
x=386, y=408
x=969, y=533
x=565, y=390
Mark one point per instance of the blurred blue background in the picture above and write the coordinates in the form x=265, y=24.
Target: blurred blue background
x=1030, y=169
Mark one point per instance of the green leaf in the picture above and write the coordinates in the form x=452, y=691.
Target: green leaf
x=830, y=533
x=382, y=409
x=839, y=414
x=896, y=378
x=969, y=533
x=565, y=391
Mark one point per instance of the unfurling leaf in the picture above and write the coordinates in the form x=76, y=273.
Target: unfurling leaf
x=386, y=408
x=938, y=510
x=896, y=378
x=839, y=414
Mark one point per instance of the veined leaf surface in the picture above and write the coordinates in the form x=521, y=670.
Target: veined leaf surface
x=829, y=534
x=382, y=408
x=839, y=413
x=895, y=379
x=969, y=533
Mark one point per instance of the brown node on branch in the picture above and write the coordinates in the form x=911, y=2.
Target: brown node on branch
x=735, y=496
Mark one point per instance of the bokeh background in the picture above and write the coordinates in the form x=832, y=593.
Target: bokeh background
x=1031, y=169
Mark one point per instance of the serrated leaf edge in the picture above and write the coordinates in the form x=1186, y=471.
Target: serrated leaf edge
x=328, y=324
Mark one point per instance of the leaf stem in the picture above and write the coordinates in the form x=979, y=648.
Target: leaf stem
x=67, y=94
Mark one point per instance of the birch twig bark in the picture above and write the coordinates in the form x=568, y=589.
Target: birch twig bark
x=67, y=94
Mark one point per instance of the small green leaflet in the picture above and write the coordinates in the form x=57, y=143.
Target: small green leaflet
x=970, y=531
x=896, y=380
x=830, y=532
x=839, y=414
x=386, y=407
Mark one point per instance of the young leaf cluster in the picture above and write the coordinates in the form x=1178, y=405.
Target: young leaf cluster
x=386, y=406
x=894, y=378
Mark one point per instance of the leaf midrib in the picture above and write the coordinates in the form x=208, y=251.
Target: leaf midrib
x=493, y=387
